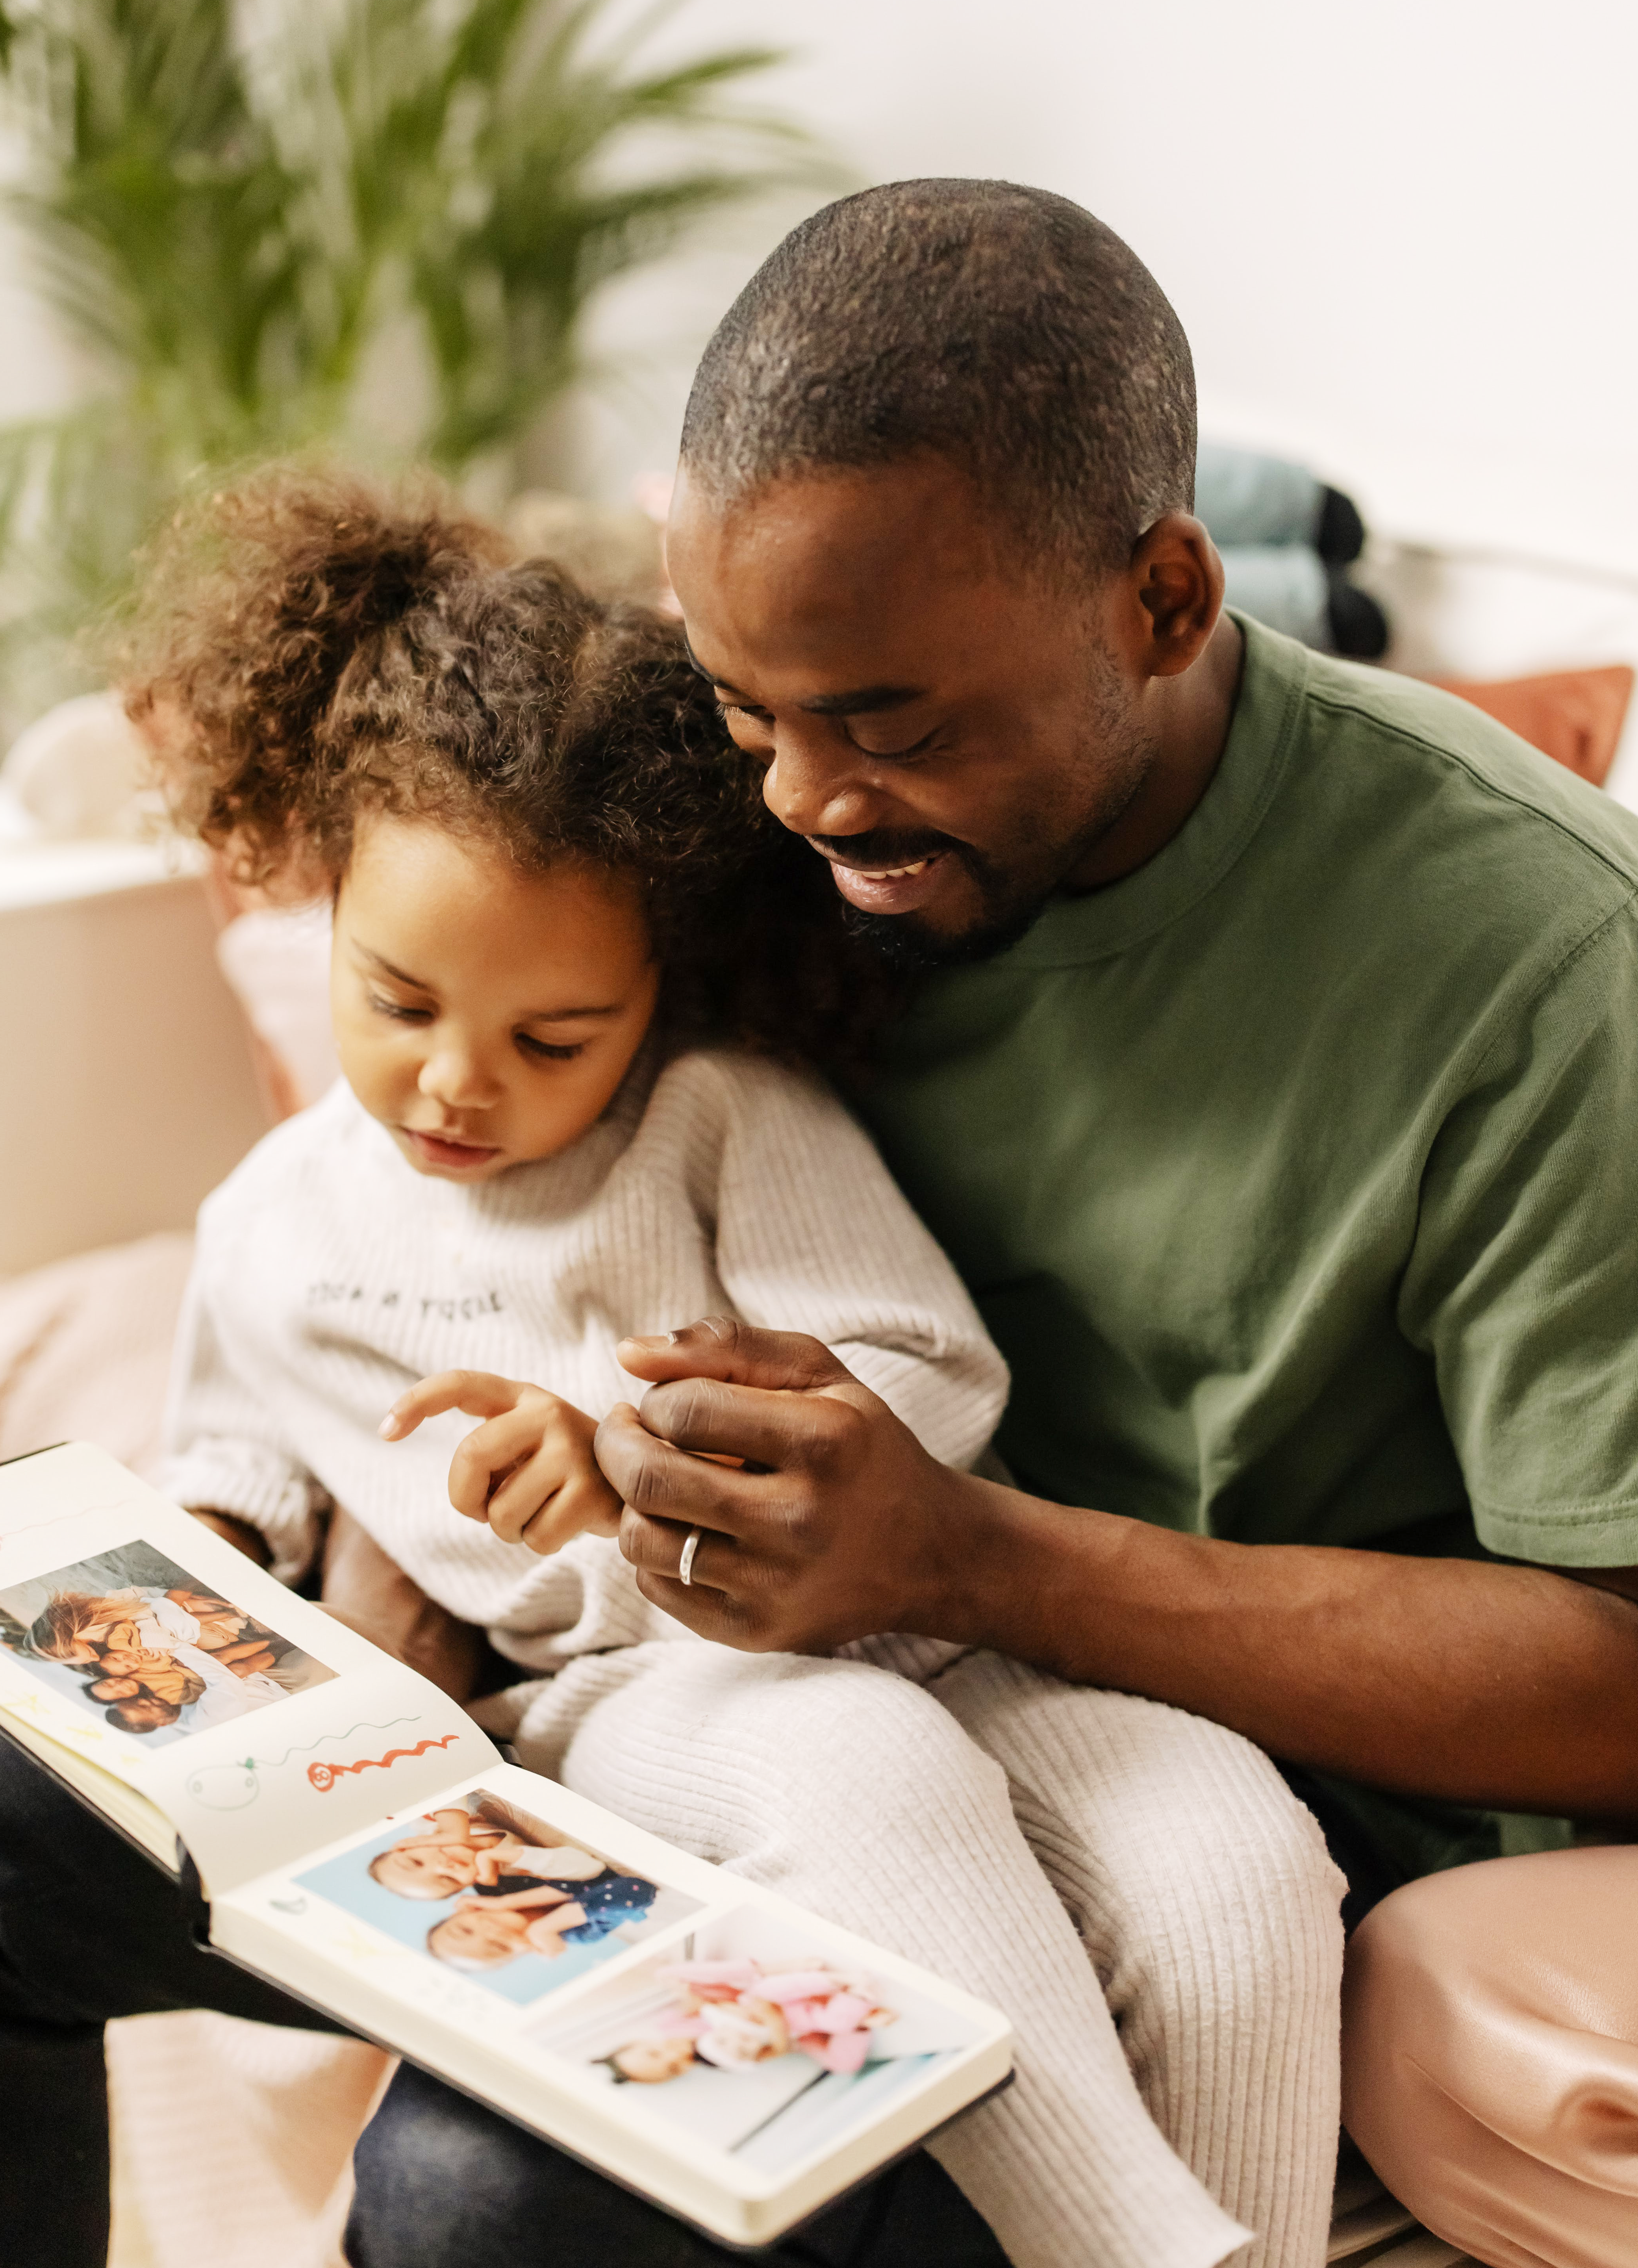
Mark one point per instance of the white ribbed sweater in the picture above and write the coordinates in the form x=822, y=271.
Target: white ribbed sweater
x=329, y=1276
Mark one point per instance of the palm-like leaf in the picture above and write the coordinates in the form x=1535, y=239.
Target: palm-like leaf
x=227, y=224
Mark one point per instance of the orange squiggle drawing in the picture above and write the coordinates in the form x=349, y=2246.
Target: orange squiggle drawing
x=325, y=1775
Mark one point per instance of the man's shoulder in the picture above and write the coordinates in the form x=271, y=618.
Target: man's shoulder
x=1419, y=844
x=1441, y=779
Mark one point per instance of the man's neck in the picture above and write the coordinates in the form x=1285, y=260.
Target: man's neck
x=1194, y=732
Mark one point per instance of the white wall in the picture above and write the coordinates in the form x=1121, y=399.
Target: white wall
x=1401, y=236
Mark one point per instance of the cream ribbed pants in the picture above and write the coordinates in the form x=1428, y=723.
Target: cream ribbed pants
x=1136, y=1887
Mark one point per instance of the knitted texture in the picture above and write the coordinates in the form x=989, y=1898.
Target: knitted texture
x=1137, y=1889
x=330, y=1275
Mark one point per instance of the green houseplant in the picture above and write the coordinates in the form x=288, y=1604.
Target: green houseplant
x=232, y=207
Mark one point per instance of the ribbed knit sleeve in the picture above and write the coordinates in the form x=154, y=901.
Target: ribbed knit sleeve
x=813, y=1234
x=223, y=1451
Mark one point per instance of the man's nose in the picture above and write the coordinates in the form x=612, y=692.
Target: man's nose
x=457, y=1077
x=816, y=783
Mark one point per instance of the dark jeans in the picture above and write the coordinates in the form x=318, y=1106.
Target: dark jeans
x=89, y=1929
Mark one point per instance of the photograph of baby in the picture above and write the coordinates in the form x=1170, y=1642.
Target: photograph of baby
x=143, y=1645
x=496, y=1895
x=748, y=2037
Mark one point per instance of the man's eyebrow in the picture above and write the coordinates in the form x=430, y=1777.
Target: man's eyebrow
x=869, y=700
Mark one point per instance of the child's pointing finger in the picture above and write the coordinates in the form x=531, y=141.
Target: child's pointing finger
x=479, y=1393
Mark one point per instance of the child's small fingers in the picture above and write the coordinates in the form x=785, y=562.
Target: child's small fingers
x=479, y=1393
x=586, y=1504
x=488, y=1455
x=523, y=1494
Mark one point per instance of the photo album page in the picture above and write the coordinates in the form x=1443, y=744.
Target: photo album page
x=362, y=1843
x=140, y=1646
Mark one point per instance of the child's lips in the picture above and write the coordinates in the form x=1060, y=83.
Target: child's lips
x=438, y=1151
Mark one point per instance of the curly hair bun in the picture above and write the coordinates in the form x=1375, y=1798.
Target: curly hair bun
x=308, y=650
x=257, y=602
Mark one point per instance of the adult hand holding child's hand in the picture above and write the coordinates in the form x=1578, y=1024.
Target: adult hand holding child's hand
x=837, y=1522
x=529, y=1471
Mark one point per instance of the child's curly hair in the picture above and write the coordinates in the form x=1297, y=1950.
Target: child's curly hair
x=306, y=649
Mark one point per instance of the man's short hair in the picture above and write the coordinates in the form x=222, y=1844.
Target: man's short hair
x=1001, y=327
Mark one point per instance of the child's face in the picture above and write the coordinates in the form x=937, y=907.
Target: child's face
x=427, y=1870
x=478, y=1934
x=485, y=1016
x=131, y=1660
x=652, y=2061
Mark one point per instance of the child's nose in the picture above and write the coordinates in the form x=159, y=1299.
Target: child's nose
x=456, y=1078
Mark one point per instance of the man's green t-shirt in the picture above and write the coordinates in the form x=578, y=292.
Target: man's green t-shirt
x=1297, y=1174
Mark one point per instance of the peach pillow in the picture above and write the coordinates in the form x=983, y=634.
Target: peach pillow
x=1575, y=716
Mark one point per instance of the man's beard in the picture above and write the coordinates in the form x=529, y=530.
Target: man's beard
x=1013, y=892
x=1012, y=898
x=1008, y=912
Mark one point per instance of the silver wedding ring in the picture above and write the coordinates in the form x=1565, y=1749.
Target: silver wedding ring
x=685, y=1566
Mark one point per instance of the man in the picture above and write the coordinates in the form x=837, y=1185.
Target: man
x=1269, y=1082
x=1271, y=1019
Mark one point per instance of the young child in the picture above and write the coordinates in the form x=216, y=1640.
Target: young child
x=551, y=892
x=464, y=1853
x=734, y=2015
x=478, y=1937
x=572, y=959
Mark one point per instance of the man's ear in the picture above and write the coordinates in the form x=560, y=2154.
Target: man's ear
x=1176, y=581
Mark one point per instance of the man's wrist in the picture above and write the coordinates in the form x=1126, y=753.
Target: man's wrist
x=992, y=1579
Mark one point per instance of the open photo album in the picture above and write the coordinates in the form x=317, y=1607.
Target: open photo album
x=359, y=1842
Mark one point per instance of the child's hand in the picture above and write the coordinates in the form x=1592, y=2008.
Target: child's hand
x=529, y=1472
x=545, y=1933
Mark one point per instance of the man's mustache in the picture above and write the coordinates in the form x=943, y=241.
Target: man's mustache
x=879, y=846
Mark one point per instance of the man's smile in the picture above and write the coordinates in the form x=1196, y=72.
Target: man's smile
x=881, y=876
x=889, y=889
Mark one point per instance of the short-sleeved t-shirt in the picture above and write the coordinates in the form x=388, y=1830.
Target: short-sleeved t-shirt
x=1296, y=1173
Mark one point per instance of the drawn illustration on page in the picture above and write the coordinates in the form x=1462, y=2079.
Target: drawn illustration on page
x=230, y=1786
x=139, y=1644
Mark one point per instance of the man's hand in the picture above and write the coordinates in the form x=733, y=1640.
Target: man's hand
x=529, y=1471
x=1466, y=1681
x=836, y=1523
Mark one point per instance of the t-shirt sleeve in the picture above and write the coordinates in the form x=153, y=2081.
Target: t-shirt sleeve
x=222, y=1450
x=1524, y=1279
x=814, y=1235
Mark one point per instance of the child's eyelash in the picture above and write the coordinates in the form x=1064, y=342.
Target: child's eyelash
x=548, y=1050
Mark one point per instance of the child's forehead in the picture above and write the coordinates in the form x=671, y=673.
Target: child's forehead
x=452, y=912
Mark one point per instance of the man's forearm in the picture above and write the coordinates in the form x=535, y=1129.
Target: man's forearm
x=1499, y=1686
x=1503, y=1686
